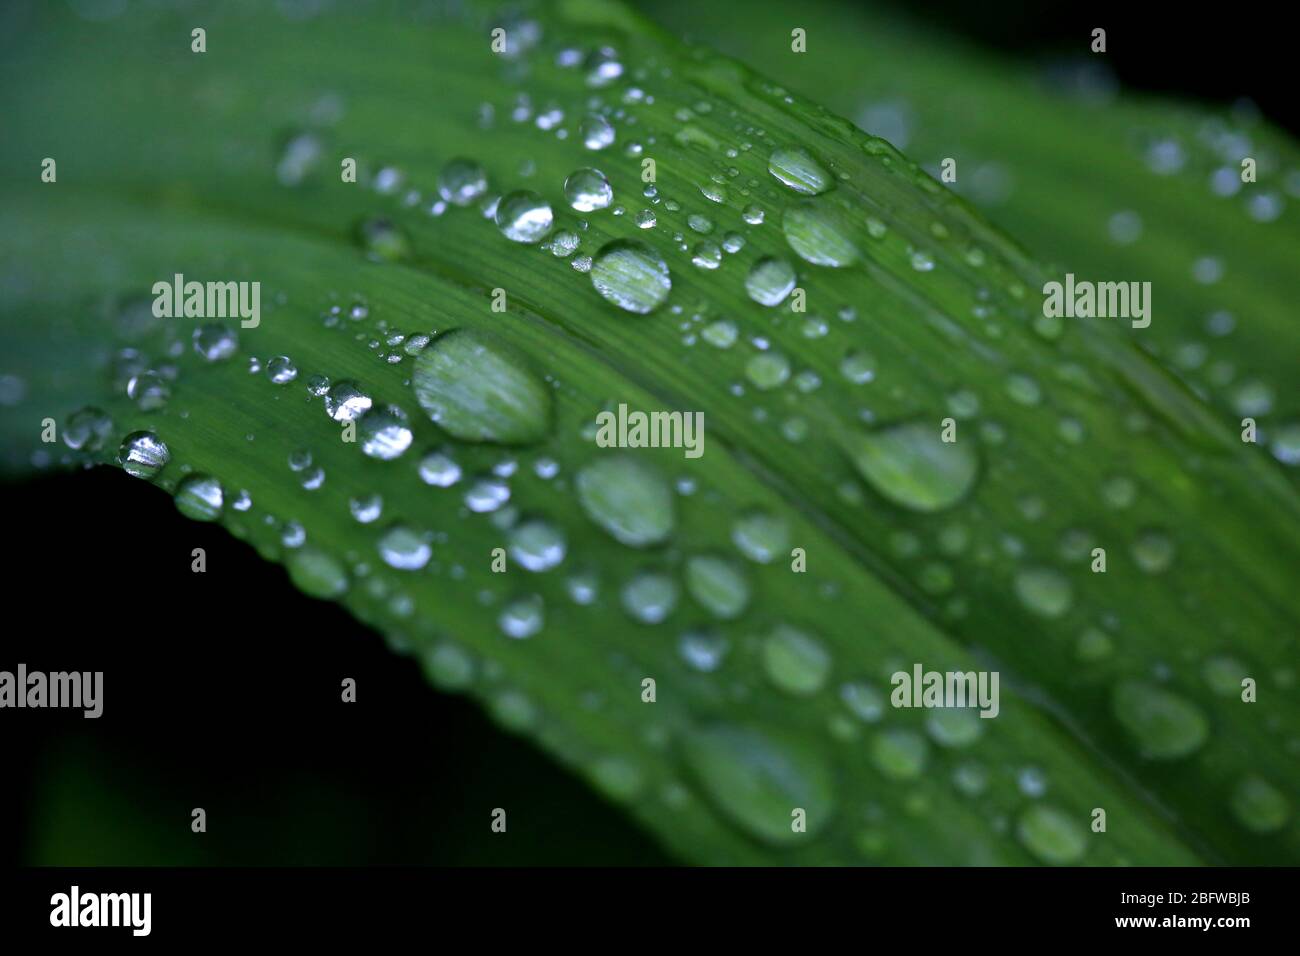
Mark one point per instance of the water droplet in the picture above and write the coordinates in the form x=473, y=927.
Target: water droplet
x=816, y=238
x=301, y=155
x=477, y=388
x=587, y=190
x=1044, y=591
x=761, y=536
x=462, y=181
x=626, y=498
x=1259, y=806
x=768, y=370
x=702, y=650
x=858, y=367
x=798, y=170
x=1051, y=835
x=795, y=662
x=486, y=494
x=316, y=573
x=911, y=466
x=200, y=497
x=383, y=241
x=954, y=726
x=366, y=508
x=718, y=585
x=756, y=779
x=1161, y=724
x=149, y=391
x=143, y=455
x=866, y=702
x=770, y=281
x=439, y=469
x=899, y=753
x=345, y=402
x=1153, y=551
x=720, y=334
x=385, y=433
x=649, y=596
x=215, y=342
x=281, y=370
x=631, y=275
x=523, y=617
x=524, y=216
x=596, y=132
x=537, y=545
x=404, y=549
x=88, y=428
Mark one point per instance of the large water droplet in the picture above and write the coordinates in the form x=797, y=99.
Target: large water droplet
x=625, y=497
x=477, y=388
x=524, y=216
x=799, y=171
x=631, y=275
x=1161, y=724
x=815, y=237
x=756, y=780
x=911, y=466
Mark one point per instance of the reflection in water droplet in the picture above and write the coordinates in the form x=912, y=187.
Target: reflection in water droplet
x=462, y=181
x=761, y=536
x=215, y=342
x=345, y=402
x=87, y=429
x=523, y=617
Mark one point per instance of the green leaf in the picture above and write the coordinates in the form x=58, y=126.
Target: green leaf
x=771, y=685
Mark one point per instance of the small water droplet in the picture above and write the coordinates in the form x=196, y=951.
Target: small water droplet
x=769, y=281
x=910, y=465
x=385, y=433
x=795, y=662
x=1161, y=724
x=346, y=402
x=1051, y=835
x=461, y=181
x=404, y=549
x=815, y=237
x=523, y=617
x=215, y=342
x=537, y=545
x=587, y=190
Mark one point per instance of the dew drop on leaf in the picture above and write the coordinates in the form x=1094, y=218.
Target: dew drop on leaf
x=631, y=275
